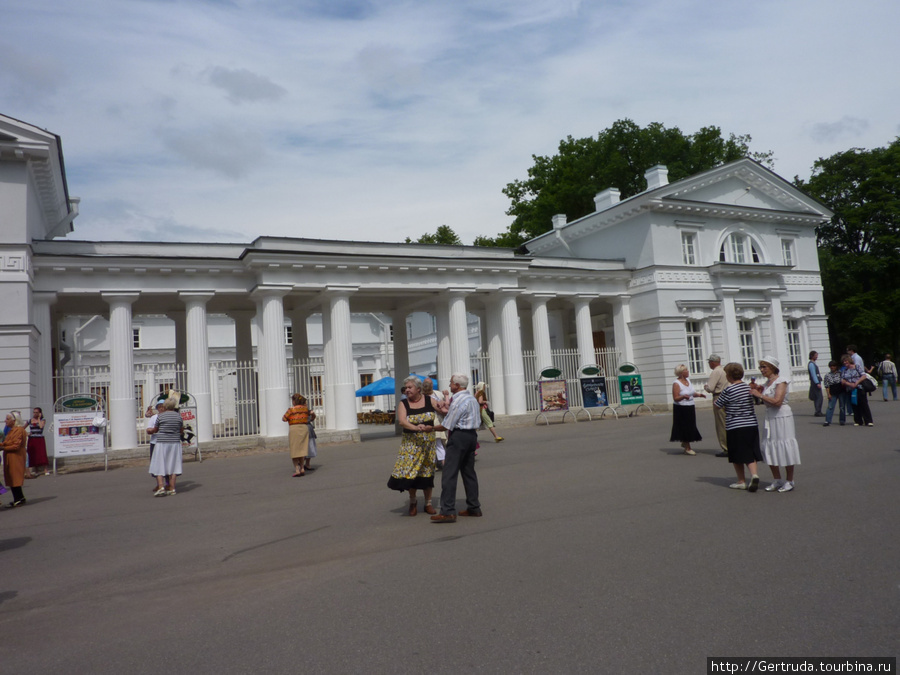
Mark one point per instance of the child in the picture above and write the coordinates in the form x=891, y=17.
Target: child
x=741, y=427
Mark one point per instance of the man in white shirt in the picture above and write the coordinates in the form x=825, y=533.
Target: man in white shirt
x=461, y=424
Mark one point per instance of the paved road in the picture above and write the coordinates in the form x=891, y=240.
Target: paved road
x=601, y=550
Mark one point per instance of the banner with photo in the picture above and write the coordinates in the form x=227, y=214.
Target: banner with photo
x=554, y=395
x=76, y=434
x=631, y=391
x=593, y=392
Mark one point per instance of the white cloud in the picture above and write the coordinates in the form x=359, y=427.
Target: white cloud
x=357, y=119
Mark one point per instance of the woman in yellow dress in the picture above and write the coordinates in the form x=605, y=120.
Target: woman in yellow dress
x=414, y=469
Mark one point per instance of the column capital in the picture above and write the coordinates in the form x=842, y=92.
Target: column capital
x=45, y=297
x=461, y=290
x=333, y=290
x=205, y=296
x=269, y=290
x=120, y=296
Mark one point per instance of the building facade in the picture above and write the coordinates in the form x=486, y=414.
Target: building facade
x=723, y=261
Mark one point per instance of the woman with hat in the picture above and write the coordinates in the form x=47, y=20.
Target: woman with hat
x=780, y=446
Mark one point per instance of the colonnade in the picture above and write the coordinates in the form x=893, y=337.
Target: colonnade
x=502, y=338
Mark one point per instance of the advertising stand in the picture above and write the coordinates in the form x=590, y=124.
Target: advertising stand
x=554, y=395
x=79, y=427
x=593, y=391
x=187, y=406
x=631, y=389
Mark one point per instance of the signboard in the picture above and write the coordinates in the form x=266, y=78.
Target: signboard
x=631, y=390
x=554, y=395
x=189, y=431
x=593, y=392
x=79, y=402
x=75, y=434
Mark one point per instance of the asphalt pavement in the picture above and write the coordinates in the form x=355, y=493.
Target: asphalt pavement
x=602, y=549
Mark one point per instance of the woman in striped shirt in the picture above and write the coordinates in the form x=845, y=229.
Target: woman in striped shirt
x=741, y=427
x=166, y=459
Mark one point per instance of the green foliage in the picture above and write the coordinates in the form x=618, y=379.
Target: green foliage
x=443, y=235
x=858, y=248
x=618, y=157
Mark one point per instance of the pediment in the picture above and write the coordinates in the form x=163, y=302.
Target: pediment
x=743, y=184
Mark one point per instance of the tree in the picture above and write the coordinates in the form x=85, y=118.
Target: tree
x=443, y=235
x=618, y=157
x=859, y=247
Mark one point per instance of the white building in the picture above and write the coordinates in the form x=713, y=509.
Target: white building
x=724, y=261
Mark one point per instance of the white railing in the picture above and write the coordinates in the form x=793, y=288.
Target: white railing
x=568, y=361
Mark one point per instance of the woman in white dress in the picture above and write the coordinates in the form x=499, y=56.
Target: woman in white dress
x=780, y=446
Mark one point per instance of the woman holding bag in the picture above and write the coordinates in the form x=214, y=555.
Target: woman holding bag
x=852, y=379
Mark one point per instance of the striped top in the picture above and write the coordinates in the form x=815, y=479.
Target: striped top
x=464, y=413
x=169, y=423
x=738, y=406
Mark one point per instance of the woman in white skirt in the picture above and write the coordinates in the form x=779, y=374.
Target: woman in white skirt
x=166, y=459
x=780, y=446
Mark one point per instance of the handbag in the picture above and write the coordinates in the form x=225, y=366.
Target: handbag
x=867, y=384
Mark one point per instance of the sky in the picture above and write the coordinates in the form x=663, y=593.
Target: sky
x=226, y=120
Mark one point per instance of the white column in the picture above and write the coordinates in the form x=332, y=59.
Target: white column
x=151, y=393
x=122, y=406
x=513, y=365
x=44, y=365
x=621, y=319
x=779, y=337
x=730, y=326
x=584, y=336
x=198, y=360
x=540, y=325
x=178, y=318
x=275, y=392
x=444, y=354
x=261, y=370
x=459, y=333
x=494, y=348
x=246, y=379
x=328, y=396
x=401, y=356
x=341, y=367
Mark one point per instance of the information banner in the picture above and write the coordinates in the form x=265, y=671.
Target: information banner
x=631, y=391
x=593, y=392
x=189, y=431
x=554, y=395
x=75, y=434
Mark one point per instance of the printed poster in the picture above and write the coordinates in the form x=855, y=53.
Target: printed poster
x=75, y=434
x=593, y=392
x=553, y=395
x=631, y=391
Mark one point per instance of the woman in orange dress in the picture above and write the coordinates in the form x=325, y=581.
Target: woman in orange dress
x=298, y=417
x=14, y=456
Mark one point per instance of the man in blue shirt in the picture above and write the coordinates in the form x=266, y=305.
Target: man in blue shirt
x=461, y=424
x=815, y=383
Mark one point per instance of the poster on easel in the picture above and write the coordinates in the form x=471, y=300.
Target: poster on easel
x=593, y=392
x=554, y=395
x=75, y=433
x=631, y=389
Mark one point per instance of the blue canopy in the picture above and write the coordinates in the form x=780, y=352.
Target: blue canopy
x=384, y=386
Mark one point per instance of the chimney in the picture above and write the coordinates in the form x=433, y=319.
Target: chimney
x=656, y=176
x=559, y=221
x=603, y=200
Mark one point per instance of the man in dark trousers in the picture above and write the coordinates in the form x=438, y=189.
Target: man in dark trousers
x=461, y=424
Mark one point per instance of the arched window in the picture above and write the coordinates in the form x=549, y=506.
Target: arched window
x=739, y=248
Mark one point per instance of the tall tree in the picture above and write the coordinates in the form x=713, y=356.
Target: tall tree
x=618, y=157
x=859, y=249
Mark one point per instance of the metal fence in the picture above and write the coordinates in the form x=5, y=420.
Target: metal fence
x=569, y=362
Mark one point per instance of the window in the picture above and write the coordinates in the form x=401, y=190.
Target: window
x=748, y=350
x=694, y=346
x=792, y=328
x=392, y=332
x=288, y=335
x=408, y=330
x=787, y=252
x=738, y=248
x=365, y=379
x=136, y=338
x=688, y=248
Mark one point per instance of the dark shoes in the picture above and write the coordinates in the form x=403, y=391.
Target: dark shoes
x=412, y=508
x=470, y=514
x=443, y=518
x=721, y=454
x=429, y=509
x=819, y=415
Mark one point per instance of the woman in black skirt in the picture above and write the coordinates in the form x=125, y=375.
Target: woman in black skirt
x=741, y=427
x=684, y=416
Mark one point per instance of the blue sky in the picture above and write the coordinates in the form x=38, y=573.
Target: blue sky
x=374, y=121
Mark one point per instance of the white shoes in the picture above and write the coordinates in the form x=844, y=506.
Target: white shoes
x=774, y=485
x=787, y=487
x=738, y=486
x=754, y=483
x=160, y=492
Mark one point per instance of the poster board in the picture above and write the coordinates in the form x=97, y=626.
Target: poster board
x=593, y=392
x=554, y=395
x=189, y=431
x=75, y=434
x=631, y=389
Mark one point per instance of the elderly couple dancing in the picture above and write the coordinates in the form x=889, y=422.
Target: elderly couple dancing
x=419, y=415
